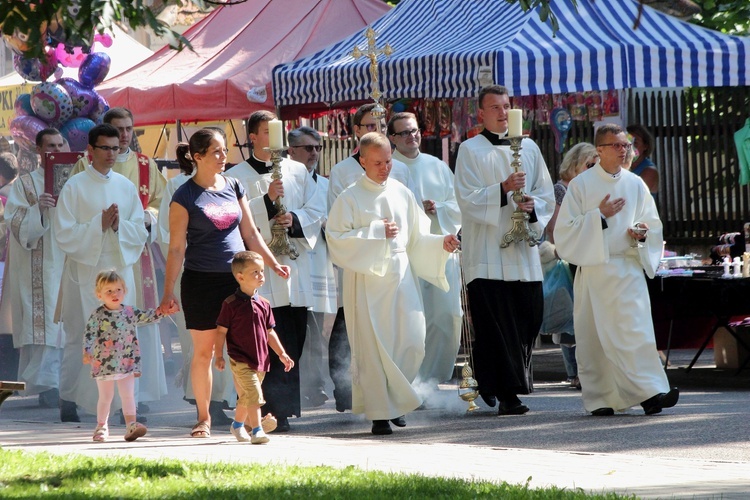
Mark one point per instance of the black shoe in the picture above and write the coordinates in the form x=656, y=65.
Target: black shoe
x=138, y=418
x=381, y=428
x=143, y=408
x=512, y=408
x=49, y=398
x=68, y=411
x=603, y=412
x=218, y=417
x=282, y=424
x=343, y=402
x=655, y=404
x=488, y=399
x=314, y=400
x=399, y=421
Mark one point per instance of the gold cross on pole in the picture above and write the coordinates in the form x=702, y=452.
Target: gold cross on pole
x=372, y=54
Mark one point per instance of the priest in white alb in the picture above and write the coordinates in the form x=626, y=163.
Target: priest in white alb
x=98, y=225
x=33, y=270
x=143, y=172
x=380, y=236
x=433, y=180
x=609, y=227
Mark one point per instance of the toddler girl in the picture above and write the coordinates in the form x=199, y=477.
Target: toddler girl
x=111, y=347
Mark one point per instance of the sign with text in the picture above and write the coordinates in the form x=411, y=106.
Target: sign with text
x=8, y=97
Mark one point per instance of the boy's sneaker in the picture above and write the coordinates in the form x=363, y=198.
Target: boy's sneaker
x=240, y=433
x=101, y=433
x=259, y=438
x=135, y=430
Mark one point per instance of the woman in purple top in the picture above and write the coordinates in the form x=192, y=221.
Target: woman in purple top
x=209, y=221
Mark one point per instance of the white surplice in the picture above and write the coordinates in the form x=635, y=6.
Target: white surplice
x=480, y=168
x=78, y=232
x=299, y=198
x=382, y=303
x=618, y=363
x=34, y=268
x=434, y=181
x=322, y=274
x=222, y=385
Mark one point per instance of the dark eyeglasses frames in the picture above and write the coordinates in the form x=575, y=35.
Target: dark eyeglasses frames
x=407, y=133
x=310, y=149
x=114, y=149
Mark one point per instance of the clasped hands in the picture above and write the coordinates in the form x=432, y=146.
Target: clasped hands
x=111, y=218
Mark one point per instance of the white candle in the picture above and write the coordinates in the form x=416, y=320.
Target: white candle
x=275, y=134
x=515, y=123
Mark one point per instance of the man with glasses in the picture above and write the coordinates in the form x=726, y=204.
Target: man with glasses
x=434, y=182
x=304, y=147
x=33, y=254
x=290, y=298
x=504, y=284
x=98, y=224
x=344, y=174
x=150, y=184
x=618, y=364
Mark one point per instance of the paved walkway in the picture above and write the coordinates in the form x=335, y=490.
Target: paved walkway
x=630, y=453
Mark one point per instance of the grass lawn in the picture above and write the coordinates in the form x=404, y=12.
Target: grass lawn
x=43, y=475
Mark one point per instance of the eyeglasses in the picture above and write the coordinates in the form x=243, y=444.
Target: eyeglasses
x=407, y=133
x=114, y=149
x=310, y=148
x=372, y=127
x=618, y=145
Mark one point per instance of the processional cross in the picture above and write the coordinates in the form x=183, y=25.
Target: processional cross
x=372, y=54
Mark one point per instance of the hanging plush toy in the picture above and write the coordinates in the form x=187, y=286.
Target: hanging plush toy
x=561, y=121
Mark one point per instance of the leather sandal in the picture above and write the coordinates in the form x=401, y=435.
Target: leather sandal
x=201, y=430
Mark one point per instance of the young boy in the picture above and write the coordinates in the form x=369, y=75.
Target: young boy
x=246, y=322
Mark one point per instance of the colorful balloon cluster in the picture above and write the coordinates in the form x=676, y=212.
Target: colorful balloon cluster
x=71, y=106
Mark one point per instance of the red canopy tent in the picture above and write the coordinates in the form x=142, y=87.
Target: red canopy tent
x=235, y=48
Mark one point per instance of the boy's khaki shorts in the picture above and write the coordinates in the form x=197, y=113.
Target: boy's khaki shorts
x=247, y=382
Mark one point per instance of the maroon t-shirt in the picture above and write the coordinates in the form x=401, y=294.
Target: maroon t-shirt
x=247, y=320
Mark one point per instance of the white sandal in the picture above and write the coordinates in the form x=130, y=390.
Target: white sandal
x=101, y=433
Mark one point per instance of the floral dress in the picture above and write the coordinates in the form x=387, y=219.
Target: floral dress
x=110, y=339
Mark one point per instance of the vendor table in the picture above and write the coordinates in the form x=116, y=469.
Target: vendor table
x=703, y=296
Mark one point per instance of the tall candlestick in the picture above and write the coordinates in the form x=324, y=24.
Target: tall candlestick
x=515, y=123
x=275, y=135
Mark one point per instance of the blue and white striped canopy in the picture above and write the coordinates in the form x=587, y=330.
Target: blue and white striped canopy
x=440, y=46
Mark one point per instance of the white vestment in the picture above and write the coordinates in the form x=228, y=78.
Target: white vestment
x=383, y=307
x=348, y=171
x=299, y=198
x=322, y=273
x=480, y=168
x=222, y=386
x=152, y=385
x=434, y=181
x=618, y=363
x=88, y=249
x=30, y=289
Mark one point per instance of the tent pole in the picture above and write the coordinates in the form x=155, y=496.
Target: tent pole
x=237, y=139
x=179, y=131
x=163, y=129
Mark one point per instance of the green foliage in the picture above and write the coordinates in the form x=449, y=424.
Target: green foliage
x=728, y=16
x=25, y=475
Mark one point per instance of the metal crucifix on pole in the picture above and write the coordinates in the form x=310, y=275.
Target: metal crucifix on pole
x=372, y=54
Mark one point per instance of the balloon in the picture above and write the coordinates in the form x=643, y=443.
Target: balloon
x=94, y=69
x=33, y=69
x=561, y=122
x=76, y=131
x=70, y=58
x=23, y=105
x=51, y=102
x=17, y=42
x=25, y=128
x=104, y=39
x=101, y=107
x=83, y=99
